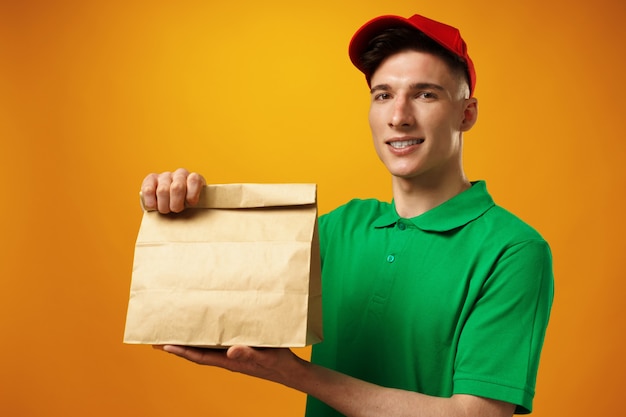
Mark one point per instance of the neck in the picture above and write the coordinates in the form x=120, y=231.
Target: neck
x=416, y=196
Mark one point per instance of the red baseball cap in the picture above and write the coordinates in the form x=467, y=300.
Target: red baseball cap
x=447, y=36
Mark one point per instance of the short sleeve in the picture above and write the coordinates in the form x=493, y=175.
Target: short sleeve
x=501, y=341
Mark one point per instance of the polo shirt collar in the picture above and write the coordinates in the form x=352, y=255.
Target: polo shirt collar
x=456, y=212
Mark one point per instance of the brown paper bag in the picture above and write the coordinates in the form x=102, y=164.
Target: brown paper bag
x=242, y=267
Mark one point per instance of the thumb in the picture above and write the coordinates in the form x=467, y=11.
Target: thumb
x=238, y=352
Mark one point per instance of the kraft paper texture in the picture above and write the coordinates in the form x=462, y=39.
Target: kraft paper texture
x=242, y=267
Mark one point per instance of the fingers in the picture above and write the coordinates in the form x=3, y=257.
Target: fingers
x=195, y=183
x=171, y=192
x=211, y=357
x=148, y=191
x=178, y=190
x=214, y=357
x=235, y=358
x=266, y=363
x=164, y=182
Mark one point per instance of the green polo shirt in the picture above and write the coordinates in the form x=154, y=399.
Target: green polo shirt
x=454, y=301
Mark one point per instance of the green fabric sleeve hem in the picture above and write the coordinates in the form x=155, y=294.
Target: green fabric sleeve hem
x=522, y=399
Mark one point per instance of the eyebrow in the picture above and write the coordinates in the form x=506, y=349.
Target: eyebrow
x=414, y=86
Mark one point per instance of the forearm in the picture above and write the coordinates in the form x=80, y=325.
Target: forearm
x=356, y=398
x=350, y=396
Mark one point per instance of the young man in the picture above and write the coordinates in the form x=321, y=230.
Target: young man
x=435, y=304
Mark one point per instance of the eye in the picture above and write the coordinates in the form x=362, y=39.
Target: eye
x=426, y=95
x=381, y=96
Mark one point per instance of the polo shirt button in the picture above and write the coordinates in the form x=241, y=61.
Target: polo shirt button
x=390, y=258
x=401, y=226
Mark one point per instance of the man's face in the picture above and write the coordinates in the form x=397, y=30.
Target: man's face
x=417, y=113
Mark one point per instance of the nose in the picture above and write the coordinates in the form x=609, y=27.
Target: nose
x=402, y=114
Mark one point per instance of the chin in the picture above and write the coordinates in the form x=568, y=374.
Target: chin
x=404, y=172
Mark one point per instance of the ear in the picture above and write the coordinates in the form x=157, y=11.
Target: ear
x=470, y=114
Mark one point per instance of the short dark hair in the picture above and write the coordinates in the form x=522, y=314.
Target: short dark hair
x=403, y=38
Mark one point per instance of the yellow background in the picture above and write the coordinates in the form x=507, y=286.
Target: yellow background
x=94, y=95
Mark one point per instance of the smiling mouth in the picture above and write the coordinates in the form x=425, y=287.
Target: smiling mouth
x=401, y=144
